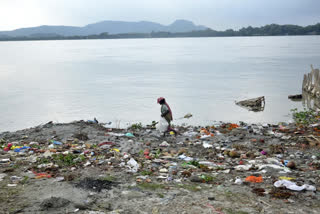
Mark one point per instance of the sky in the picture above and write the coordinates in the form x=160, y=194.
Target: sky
x=216, y=14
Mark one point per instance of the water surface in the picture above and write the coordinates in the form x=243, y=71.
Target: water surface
x=120, y=80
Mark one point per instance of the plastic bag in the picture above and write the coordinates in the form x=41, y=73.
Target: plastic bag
x=293, y=186
x=162, y=126
x=133, y=165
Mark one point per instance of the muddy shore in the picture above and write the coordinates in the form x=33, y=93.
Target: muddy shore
x=83, y=167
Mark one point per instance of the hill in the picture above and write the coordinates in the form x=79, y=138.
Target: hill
x=111, y=27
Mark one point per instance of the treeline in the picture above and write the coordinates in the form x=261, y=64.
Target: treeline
x=268, y=30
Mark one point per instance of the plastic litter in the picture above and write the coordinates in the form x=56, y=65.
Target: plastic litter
x=5, y=160
x=129, y=134
x=185, y=158
x=56, y=142
x=133, y=165
x=163, y=125
x=164, y=144
x=293, y=186
x=254, y=179
x=21, y=149
x=2, y=175
x=238, y=181
x=207, y=145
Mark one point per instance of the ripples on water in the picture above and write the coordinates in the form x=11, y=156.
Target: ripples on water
x=119, y=80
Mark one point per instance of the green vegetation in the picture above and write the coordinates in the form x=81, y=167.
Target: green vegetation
x=208, y=178
x=109, y=178
x=151, y=186
x=146, y=172
x=267, y=30
x=158, y=153
x=160, y=195
x=305, y=117
x=62, y=160
x=24, y=180
x=136, y=126
x=194, y=163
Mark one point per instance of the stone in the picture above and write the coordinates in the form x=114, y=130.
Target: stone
x=196, y=179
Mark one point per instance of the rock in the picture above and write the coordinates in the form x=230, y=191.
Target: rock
x=163, y=170
x=291, y=165
x=234, y=154
x=196, y=179
x=54, y=202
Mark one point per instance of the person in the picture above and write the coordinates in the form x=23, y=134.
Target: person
x=166, y=113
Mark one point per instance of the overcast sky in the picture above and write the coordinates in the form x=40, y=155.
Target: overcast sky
x=216, y=14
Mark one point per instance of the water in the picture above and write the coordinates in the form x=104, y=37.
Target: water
x=120, y=80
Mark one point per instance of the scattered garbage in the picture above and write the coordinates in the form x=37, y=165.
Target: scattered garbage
x=264, y=160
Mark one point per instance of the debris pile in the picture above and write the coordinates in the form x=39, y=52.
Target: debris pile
x=84, y=167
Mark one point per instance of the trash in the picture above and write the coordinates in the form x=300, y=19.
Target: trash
x=15, y=179
x=93, y=121
x=133, y=165
x=129, y=134
x=2, y=175
x=286, y=178
x=238, y=181
x=254, y=179
x=163, y=125
x=187, y=115
x=243, y=167
x=185, y=158
x=59, y=179
x=42, y=175
x=263, y=152
x=219, y=155
x=6, y=160
x=207, y=145
x=164, y=144
x=47, y=154
x=163, y=170
x=293, y=186
x=56, y=142
x=21, y=148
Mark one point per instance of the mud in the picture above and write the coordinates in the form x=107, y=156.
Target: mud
x=95, y=184
x=100, y=170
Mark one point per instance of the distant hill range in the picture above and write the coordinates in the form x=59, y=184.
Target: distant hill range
x=110, y=27
x=125, y=30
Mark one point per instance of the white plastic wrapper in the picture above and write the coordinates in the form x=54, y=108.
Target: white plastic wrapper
x=133, y=165
x=293, y=186
x=162, y=126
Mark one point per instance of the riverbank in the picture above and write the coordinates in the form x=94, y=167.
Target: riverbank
x=84, y=167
